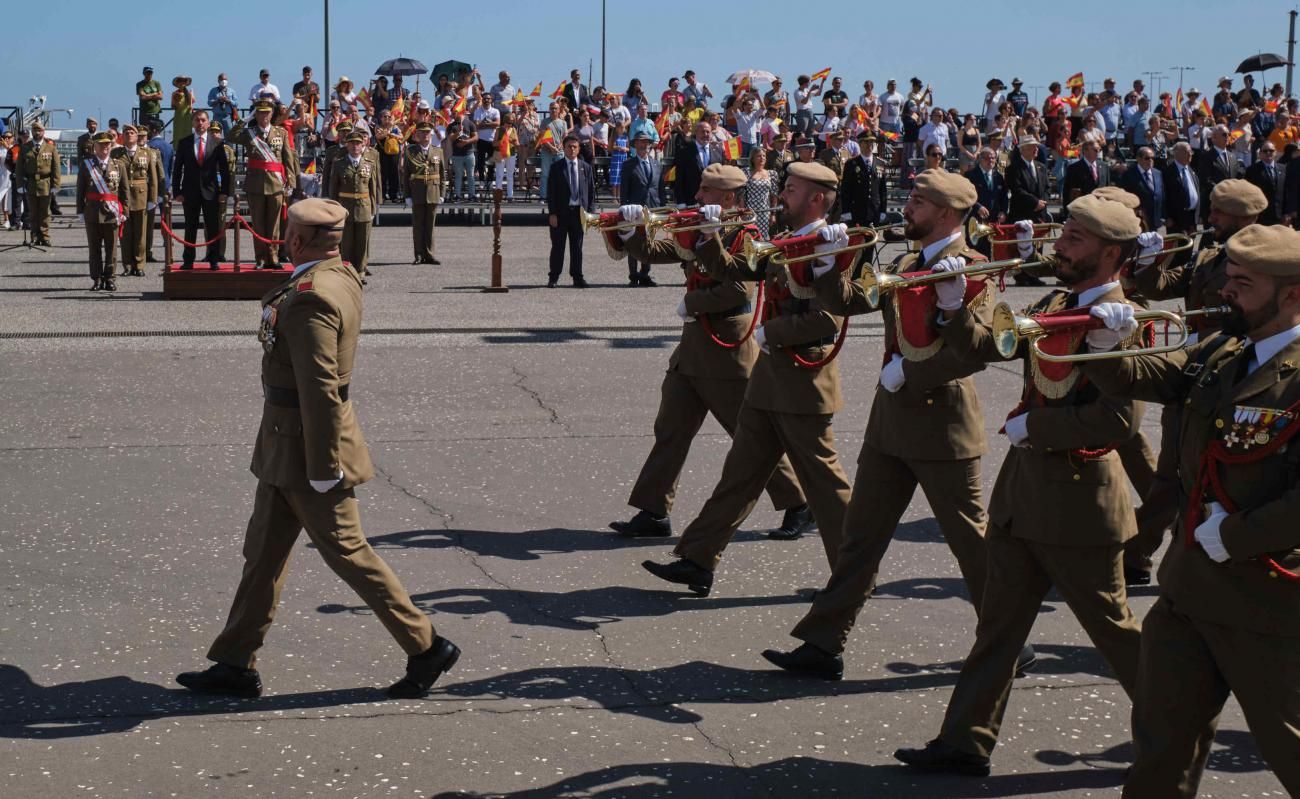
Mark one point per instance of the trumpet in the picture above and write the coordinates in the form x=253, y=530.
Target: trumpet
x=730, y=219
x=1010, y=329
x=774, y=252
x=876, y=284
x=1184, y=242
x=610, y=221
x=977, y=231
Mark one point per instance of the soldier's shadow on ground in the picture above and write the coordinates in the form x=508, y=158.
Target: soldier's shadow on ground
x=525, y=545
x=1053, y=660
x=1234, y=752
x=118, y=704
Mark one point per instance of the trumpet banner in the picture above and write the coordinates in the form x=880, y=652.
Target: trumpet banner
x=915, y=309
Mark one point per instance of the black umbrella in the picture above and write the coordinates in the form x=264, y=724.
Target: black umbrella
x=401, y=66
x=1261, y=62
x=452, y=69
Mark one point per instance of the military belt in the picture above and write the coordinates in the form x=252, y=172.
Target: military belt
x=739, y=310
x=288, y=397
x=355, y=195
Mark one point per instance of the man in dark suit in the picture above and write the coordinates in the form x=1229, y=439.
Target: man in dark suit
x=1027, y=182
x=991, y=193
x=1183, y=198
x=199, y=169
x=1088, y=173
x=692, y=159
x=1146, y=182
x=1270, y=177
x=640, y=187
x=570, y=188
x=575, y=92
x=862, y=187
x=1217, y=163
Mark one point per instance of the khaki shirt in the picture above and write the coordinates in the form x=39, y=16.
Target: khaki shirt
x=142, y=171
x=355, y=187
x=39, y=168
x=1199, y=283
x=264, y=181
x=116, y=178
x=422, y=175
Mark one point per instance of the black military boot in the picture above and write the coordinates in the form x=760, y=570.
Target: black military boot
x=223, y=680
x=644, y=525
x=424, y=669
x=808, y=661
x=794, y=524
x=697, y=578
x=941, y=757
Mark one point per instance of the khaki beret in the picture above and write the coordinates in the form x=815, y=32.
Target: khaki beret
x=104, y=137
x=1268, y=249
x=343, y=127
x=1105, y=218
x=723, y=177
x=315, y=212
x=1237, y=197
x=815, y=173
x=355, y=135
x=1114, y=193
x=946, y=189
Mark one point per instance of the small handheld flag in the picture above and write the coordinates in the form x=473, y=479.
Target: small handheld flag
x=1075, y=80
x=822, y=74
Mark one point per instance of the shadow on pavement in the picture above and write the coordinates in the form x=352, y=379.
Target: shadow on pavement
x=1234, y=752
x=525, y=545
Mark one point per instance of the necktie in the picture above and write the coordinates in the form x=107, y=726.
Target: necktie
x=1092, y=167
x=573, y=180
x=201, y=149
x=1269, y=168
x=1247, y=359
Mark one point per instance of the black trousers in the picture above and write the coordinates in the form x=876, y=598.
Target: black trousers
x=388, y=172
x=483, y=154
x=211, y=211
x=567, y=228
x=632, y=268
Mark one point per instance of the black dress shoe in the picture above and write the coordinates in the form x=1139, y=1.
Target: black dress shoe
x=367, y=272
x=434, y=262
x=187, y=265
x=648, y=282
x=633, y=281
x=149, y=259
x=939, y=756
x=580, y=284
x=214, y=265
x=1136, y=575
x=1026, y=660
x=808, y=661
x=644, y=525
x=795, y=523
x=550, y=284
x=424, y=669
x=699, y=580
x=222, y=679
x=94, y=285
x=110, y=285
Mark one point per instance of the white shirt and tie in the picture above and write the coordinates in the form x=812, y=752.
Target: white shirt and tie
x=703, y=152
x=573, y=181
x=1268, y=348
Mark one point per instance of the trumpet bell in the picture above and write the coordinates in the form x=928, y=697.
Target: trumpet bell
x=977, y=231
x=1006, y=334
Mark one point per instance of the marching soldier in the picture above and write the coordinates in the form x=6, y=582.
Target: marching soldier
x=309, y=457
x=1228, y=615
x=38, y=176
x=926, y=426
x=793, y=393
x=1060, y=511
x=1234, y=205
x=354, y=183
x=422, y=184
x=269, y=177
x=143, y=169
x=707, y=372
x=103, y=195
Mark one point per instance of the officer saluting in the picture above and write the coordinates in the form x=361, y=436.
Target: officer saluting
x=1228, y=616
x=422, y=185
x=309, y=457
x=354, y=183
x=103, y=195
x=270, y=175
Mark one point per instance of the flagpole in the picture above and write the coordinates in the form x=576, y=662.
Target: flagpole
x=602, y=43
x=327, y=56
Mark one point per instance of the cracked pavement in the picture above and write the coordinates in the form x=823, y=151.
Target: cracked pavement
x=504, y=443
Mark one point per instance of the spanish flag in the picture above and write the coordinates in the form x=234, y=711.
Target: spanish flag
x=1072, y=152
x=1178, y=101
x=537, y=90
x=459, y=107
x=559, y=90
x=311, y=168
x=1270, y=106
x=731, y=149
x=670, y=175
x=1075, y=80
x=744, y=85
x=822, y=75
x=547, y=136
x=1205, y=106
x=519, y=97
x=1233, y=135
x=889, y=134
x=859, y=115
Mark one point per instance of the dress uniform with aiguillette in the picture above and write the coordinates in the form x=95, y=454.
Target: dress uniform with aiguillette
x=103, y=195
x=1228, y=616
x=422, y=173
x=143, y=173
x=39, y=174
x=355, y=185
x=309, y=457
x=269, y=176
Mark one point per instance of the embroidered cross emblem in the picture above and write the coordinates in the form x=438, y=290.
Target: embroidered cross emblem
x=1231, y=439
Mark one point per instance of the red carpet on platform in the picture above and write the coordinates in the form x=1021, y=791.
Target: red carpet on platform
x=222, y=283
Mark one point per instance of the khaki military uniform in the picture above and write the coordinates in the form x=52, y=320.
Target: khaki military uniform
x=703, y=377
x=227, y=180
x=336, y=152
x=357, y=189
x=834, y=159
x=928, y=433
x=39, y=174
x=787, y=409
x=309, y=431
x=1058, y=517
x=422, y=174
x=85, y=147
x=777, y=161
x=102, y=224
x=267, y=183
x=1231, y=627
x=143, y=170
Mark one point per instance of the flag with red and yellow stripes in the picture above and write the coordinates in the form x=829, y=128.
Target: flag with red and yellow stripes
x=537, y=90
x=822, y=74
x=559, y=90
x=1075, y=80
x=731, y=149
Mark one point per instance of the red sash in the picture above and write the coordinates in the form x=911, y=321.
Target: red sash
x=113, y=202
x=268, y=166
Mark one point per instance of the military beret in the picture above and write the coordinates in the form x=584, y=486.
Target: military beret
x=264, y=105
x=804, y=143
x=1268, y=249
x=355, y=135
x=818, y=174
x=424, y=126
x=946, y=189
x=315, y=212
x=1105, y=218
x=723, y=177
x=1237, y=197
x=1115, y=194
x=104, y=137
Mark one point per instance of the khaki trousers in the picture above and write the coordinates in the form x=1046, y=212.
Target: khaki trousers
x=1139, y=462
x=39, y=216
x=102, y=239
x=882, y=491
x=264, y=213
x=760, y=439
x=355, y=248
x=133, y=235
x=1188, y=668
x=423, y=218
x=683, y=404
x=1020, y=573
x=333, y=524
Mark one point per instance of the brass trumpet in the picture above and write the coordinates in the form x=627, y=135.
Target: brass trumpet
x=977, y=231
x=1165, y=258
x=610, y=221
x=755, y=252
x=1010, y=329
x=730, y=219
x=876, y=284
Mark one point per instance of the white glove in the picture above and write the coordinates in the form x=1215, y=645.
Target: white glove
x=1149, y=244
x=321, y=486
x=1119, y=321
x=1208, y=536
x=682, y=312
x=1017, y=430
x=892, y=377
x=761, y=338
x=834, y=237
x=150, y=206
x=951, y=293
x=22, y=190
x=710, y=214
x=410, y=203
x=1025, y=230
x=81, y=218
x=632, y=213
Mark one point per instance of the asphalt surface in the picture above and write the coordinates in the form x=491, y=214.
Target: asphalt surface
x=507, y=430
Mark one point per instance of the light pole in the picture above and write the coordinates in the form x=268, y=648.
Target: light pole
x=602, y=42
x=1181, y=70
x=327, y=52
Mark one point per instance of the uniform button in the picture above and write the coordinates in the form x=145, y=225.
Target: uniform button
x=1272, y=574
x=1077, y=477
x=1218, y=423
x=929, y=402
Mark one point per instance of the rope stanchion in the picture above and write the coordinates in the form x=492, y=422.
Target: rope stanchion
x=249, y=227
x=171, y=232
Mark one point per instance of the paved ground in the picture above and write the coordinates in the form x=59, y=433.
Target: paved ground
x=506, y=430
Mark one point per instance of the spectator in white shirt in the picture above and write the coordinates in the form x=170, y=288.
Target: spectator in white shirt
x=502, y=91
x=803, y=108
x=344, y=94
x=486, y=118
x=263, y=88
x=993, y=100
x=748, y=119
x=935, y=132
x=891, y=108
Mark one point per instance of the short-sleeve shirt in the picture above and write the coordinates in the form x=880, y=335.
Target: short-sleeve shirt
x=891, y=106
x=149, y=107
x=835, y=97
x=481, y=115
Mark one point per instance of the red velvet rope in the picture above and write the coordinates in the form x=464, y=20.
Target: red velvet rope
x=237, y=218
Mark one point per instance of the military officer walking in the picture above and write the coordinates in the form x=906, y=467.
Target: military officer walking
x=143, y=171
x=269, y=177
x=38, y=176
x=309, y=457
x=354, y=183
x=103, y=195
x=422, y=184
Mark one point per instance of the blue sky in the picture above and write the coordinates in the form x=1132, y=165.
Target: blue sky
x=88, y=56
